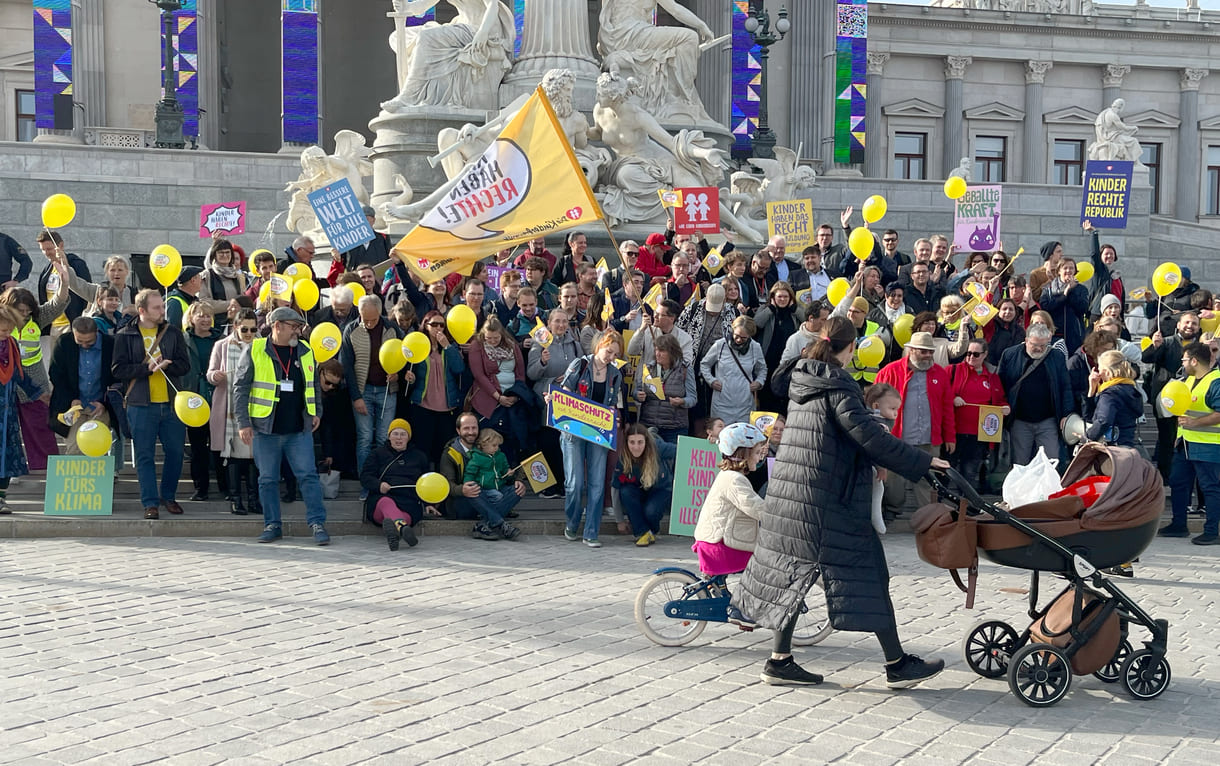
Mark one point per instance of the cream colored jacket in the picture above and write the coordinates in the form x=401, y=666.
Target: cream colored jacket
x=731, y=512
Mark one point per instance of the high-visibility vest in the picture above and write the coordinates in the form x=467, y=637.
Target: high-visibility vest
x=265, y=390
x=182, y=301
x=866, y=374
x=1198, y=408
x=29, y=340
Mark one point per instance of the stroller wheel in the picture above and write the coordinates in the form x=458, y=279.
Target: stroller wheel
x=988, y=647
x=1113, y=670
x=1145, y=675
x=1040, y=675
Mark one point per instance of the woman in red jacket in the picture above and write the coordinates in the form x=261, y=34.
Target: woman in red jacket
x=973, y=385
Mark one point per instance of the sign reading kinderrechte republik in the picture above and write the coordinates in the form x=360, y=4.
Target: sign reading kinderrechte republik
x=1107, y=193
x=695, y=468
x=79, y=486
x=341, y=216
x=583, y=419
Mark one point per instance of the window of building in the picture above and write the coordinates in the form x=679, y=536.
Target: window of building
x=1151, y=158
x=26, y=119
x=1213, y=180
x=910, y=155
x=1069, y=162
x=990, y=158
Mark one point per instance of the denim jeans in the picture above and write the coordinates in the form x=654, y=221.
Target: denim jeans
x=149, y=423
x=645, y=507
x=297, y=449
x=584, y=468
x=371, y=429
x=1182, y=477
x=492, y=504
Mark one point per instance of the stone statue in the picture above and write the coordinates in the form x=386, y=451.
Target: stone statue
x=1079, y=7
x=646, y=157
x=1115, y=139
x=350, y=161
x=662, y=60
x=964, y=170
x=460, y=63
x=781, y=177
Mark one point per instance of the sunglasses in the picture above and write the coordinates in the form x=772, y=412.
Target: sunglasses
x=329, y=385
x=245, y=330
x=974, y=353
x=435, y=324
x=889, y=239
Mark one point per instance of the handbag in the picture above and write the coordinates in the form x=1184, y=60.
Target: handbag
x=948, y=539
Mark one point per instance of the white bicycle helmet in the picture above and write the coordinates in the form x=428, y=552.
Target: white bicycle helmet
x=739, y=435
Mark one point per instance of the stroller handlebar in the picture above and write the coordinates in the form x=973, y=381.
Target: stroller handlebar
x=950, y=482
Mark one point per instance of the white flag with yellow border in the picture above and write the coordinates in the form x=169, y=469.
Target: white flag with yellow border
x=527, y=184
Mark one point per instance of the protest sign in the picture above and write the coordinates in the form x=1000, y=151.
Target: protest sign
x=582, y=419
x=976, y=219
x=227, y=218
x=792, y=220
x=991, y=424
x=695, y=469
x=341, y=216
x=699, y=212
x=1107, y=193
x=79, y=486
x=495, y=272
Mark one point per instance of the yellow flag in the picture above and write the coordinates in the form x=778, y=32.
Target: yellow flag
x=655, y=296
x=670, y=197
x=540, y=334
x=713, y=262
x=654, y=384
x=977, y=290
x=983, y=314
x=695, y=296
x=538, y=472
x=608, y=309
x=527, y=184
x=763, y=420
x=603, y=268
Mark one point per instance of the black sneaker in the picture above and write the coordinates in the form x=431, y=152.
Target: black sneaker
x=1174, y=531
x=199, y=497
x=549, y=494
x=1194, y=510
x=1122, y=570
x=408, y=535
x=1206, y=539
x=911, y=670
x=788, y=673
x=512, y=515
x=483, y=532
x=507, y=531
x=391, y=533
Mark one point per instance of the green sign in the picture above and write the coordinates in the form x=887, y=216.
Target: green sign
x=695, y=468
x=79, y=486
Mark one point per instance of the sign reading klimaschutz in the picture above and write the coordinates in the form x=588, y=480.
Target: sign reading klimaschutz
x=583, y=419
x=341, y=216
x=1107, y=193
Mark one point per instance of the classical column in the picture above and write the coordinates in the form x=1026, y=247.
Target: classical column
x=1186, y=204
x=809, y=98
x=715, y=72
x=1033, y=148
x=955, y=71
x=874, y=152
x=207, y=69
x=1112, y=82
x=88, y=59
x=554, y=35
x=299, y=78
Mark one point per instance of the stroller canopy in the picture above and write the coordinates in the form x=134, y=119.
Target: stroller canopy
x=1135, y=495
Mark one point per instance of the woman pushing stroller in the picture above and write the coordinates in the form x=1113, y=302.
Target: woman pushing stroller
x=818, y=519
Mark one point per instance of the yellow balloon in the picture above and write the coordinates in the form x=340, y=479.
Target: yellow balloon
x=165, y=262
x=58, y=210
x=416, y=347
x=261, y=250
x=306, y=293
x=1175, y=397
x=1084, y=271
x=874, y=208
x=903, y=327
x=298, y=271
x=1209, y=324
x=93, y=439
x=1145, y=342
x=432, y=487
x=391, y=356
x=461, y=321
x=280, y=287
x=358, y=292
x=870, y=351
x=836, y=290
x=264, y=292
x=860, y=243
x=1166, y=278
x=191, y=408
x=955, y=187
x=325, y=340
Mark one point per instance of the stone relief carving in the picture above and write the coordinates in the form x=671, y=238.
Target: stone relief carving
x=350, y=161
x=1079, y=7
x=781, y=177
x=1115, y=139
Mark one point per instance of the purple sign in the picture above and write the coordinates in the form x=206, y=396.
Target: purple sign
x=494, y=272
x=1107, y=193
x=976, y=219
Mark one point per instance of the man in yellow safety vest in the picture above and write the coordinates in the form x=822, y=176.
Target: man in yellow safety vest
x=1196, y=457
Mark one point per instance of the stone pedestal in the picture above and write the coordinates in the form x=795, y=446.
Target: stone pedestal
x=403, y=144
x=554, y=35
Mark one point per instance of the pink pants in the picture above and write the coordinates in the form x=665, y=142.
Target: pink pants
x=36, y=433
x=386, y=508
x=718, y=558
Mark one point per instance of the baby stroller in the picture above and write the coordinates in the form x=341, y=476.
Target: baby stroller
x=1084, y=628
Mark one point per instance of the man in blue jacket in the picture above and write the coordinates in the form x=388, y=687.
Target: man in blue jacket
x=1037, y=387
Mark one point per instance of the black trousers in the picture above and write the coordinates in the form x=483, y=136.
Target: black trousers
x=205, y=462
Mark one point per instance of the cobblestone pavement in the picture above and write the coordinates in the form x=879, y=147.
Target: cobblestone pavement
x=125, y=651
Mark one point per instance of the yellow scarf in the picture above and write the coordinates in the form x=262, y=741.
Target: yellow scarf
x=1114, y=382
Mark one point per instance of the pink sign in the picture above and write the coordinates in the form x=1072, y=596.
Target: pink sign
x=228, y=218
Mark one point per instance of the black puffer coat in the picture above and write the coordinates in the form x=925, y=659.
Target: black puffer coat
x=818, y=507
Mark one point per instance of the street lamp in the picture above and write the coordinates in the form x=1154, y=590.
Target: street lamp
x=169, y=115
x=758, y=24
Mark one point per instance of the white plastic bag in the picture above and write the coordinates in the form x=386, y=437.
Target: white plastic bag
x=1032, y=483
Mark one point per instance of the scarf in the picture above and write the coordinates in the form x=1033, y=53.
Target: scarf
x=9, y=360
x=499, y=353
x=1114, y=382
x=226, y=272
x=741, y=347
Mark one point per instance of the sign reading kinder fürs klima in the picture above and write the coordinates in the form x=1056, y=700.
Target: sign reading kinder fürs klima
x=341, y=216
x=1107, y=193
x=79, y=486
